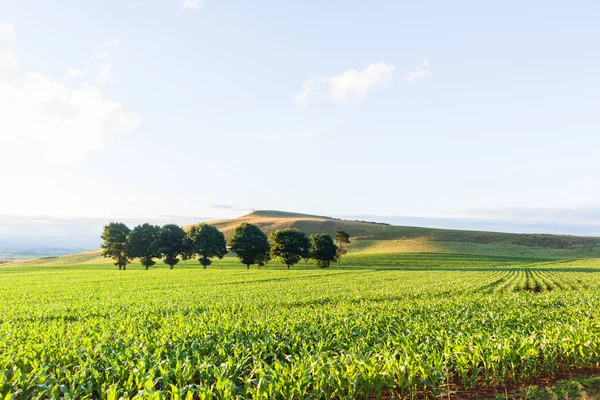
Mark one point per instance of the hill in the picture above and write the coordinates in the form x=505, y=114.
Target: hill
x=371, y=237
x=377, y=238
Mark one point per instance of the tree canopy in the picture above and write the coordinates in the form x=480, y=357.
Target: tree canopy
x=341, y=238
x=290, y=245
x=171, y=244
x=142, y=244
x=114, y=244
x=250, y=244
x=207, y=242
x=322, y=250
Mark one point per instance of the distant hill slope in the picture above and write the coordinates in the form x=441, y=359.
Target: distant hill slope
x=88, y=257
x=373, y=238
x=370, y=237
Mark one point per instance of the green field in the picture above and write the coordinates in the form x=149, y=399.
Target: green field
x=382, y=325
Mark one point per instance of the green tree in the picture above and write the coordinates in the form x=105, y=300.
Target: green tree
x=114, y=244
x=322, y=250
x=250, y=244
x=263, y=259
x=171, y=244
x=290, y=245
x=207, y=242
x=341, y=238
x=142, y=244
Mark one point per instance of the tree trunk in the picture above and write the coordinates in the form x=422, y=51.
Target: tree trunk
x=147, y=268
x=170, y=266
x=124, y=267
x=247, y=266
x=288, y=266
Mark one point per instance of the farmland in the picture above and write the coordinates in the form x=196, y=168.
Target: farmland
x=382, y=324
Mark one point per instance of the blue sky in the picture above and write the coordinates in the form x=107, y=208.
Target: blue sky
x=413, y=108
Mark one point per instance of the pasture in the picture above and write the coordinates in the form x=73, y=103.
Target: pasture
x=399, y=325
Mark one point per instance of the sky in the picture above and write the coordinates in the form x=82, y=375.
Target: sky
x=429, y=109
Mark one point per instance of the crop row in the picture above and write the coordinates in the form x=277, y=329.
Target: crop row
x=358, y=332
x=534, y=281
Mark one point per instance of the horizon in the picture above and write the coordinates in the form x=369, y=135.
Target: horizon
x=64, y=235
x=396, y=108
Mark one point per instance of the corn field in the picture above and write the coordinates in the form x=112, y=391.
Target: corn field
x=381, y=326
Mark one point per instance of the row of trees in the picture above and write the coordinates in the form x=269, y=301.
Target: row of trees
x=171, y=244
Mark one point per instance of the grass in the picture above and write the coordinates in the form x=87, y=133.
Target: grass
x=386, y=324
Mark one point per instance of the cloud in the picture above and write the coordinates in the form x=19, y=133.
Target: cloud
x=104, y=74
x=8, y=60
x=193, y=4
x=296, y=134
x=222, y=207
x=107, y=49
x=77, y=72
x=351, y=85
x=306, y=93
x=7, y=31
x=66, y=121
x=422, y=72
x=227, y=207
x=309, y=134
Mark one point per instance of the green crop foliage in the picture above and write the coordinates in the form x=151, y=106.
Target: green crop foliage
x=379, y=326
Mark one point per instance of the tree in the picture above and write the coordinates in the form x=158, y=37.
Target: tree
x=263, y=259
x=322, y=250
x=207, y=242
x=290, y=245
x=171, y=244
x=142, y=244
x=114, y=246
x=341, y=238
x=250, y=244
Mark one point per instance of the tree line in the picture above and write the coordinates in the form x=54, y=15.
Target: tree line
x=172, y=244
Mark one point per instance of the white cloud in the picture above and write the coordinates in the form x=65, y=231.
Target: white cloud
x=193, y=4
x=7, y=31
x=104, y=74
x=311, y=133
x=308, y=89
x=296, y=135
x=422, y=72
x=355, y=84
x=107, y=48
x=66, y=121
x=8, y=60
x=352, y=85
x=78, y=73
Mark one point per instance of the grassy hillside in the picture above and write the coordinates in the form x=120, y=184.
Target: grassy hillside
x=379, y=238
x=88, y=257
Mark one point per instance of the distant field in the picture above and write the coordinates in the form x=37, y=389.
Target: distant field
x=404, y=324
x=22, y=254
